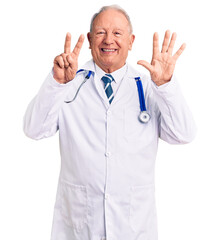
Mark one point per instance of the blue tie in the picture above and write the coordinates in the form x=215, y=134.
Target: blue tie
x=107, y=79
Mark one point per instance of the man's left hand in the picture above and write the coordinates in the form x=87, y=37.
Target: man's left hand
x=163, y=63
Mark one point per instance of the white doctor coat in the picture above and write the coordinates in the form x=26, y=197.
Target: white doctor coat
x=106, y=183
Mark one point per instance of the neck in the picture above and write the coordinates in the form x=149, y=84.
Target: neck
x=110, y=69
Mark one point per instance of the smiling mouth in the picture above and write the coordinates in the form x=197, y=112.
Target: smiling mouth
x=108, y=50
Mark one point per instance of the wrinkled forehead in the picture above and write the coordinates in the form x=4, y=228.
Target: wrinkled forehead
x=111, y=19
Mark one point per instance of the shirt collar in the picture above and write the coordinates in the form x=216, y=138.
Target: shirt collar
x=117, y=75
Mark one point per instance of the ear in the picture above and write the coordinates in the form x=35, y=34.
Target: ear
x=132, y=38
x=89, y=37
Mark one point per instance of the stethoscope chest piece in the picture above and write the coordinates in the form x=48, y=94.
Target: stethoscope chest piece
x=144, y=117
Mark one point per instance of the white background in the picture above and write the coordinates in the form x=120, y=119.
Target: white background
x=187, y=176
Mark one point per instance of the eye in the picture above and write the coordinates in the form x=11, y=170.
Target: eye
x=117, y=33
x=100, y=32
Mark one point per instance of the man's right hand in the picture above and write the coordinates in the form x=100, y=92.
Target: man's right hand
x=66, y=64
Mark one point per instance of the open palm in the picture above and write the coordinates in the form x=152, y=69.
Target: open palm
x=163, y=63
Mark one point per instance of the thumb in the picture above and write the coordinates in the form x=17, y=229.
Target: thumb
x=145, y=64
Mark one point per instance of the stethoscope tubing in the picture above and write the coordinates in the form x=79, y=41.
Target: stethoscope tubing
x=86, y=78
x=144, y=115
x=141, y=94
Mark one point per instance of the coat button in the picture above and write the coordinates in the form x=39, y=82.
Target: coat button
x=107, y=154
x=106, y=196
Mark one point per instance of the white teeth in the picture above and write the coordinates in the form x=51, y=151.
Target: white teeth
x=108, y=50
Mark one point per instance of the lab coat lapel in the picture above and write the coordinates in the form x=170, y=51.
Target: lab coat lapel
x=124, y=90
x=97, y=84
x=101, y=91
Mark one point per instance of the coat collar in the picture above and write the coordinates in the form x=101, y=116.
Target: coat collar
x=124, y=89
x=89, y=66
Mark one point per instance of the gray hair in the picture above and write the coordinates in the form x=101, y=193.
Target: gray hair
x=114, y=7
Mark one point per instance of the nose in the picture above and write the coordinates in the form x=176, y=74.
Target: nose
x=108, y=38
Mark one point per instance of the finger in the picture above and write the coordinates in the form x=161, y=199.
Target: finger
x=179, y=52
x=155, y=44
x=145, y=64
x=70, y=61
x=66, y=63
x=67, y=45
x=172, y=42
x=165, y=41
x=59, y=61
x=78, y=46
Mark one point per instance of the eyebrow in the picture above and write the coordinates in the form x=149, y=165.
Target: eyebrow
x=99, y=27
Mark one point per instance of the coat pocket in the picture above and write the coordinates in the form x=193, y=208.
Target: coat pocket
x=142, y=207
x=74, y=205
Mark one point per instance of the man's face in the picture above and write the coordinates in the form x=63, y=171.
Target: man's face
x=110, y=40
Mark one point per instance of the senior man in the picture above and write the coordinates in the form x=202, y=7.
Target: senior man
x=106, y=183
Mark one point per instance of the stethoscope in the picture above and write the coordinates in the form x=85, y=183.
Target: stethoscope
x=144, y=116
x=86, y=78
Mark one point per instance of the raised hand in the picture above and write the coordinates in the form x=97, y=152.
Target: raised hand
x=163, y=63
x=66, y=64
